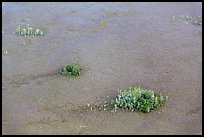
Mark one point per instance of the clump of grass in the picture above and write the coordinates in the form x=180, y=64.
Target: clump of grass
x=137, y=99
x=73, y=70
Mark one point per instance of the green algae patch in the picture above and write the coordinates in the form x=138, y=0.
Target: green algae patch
x=72, y=70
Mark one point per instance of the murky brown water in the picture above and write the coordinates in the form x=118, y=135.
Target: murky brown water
x=118, y=45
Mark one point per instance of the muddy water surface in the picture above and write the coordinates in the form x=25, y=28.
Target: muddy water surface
x=118, y=45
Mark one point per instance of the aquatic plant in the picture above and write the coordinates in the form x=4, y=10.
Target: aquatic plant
x=71, y=70
x=137, y=99
x=29, y=31
x=189, y=19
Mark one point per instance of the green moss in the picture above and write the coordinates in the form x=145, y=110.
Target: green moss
x=138, y=99
x=73, y=70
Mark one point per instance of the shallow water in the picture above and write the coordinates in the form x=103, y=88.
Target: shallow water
x=118, y=45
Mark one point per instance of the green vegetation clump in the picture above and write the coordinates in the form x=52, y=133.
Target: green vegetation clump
x=71, y=70
x=137, y=99
x=29, y=31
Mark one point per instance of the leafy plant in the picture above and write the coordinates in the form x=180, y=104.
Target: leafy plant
x=29, y=31
x=137, y=99
x=71, y=70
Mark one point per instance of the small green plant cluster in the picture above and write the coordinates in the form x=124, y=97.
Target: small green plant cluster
x=73, y=70
x=137, y=99
x=29, y=31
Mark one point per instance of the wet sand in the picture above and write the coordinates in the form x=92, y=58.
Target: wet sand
x=118, y=45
